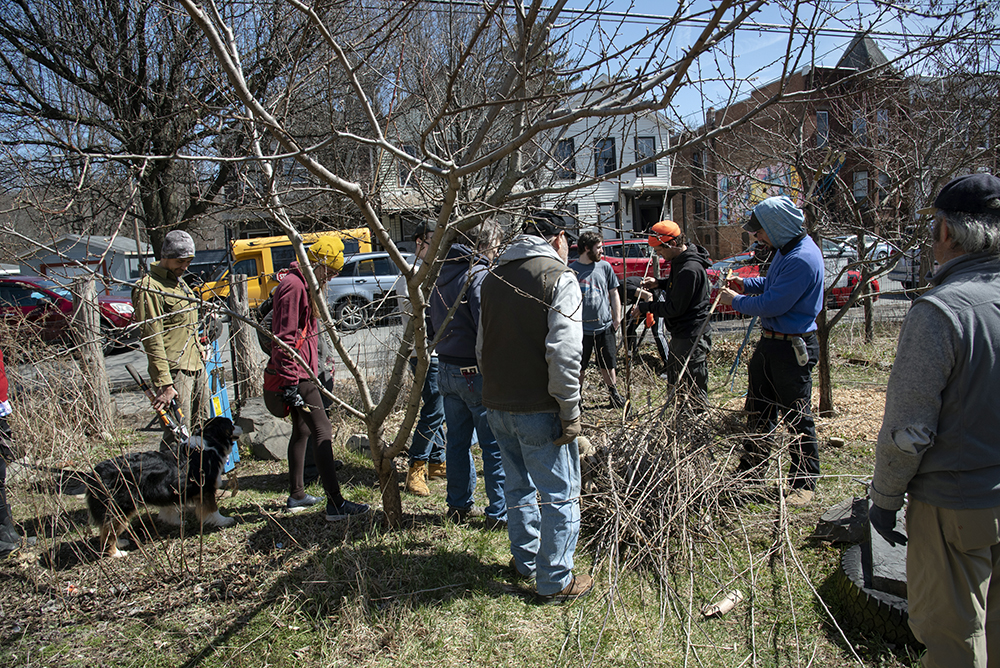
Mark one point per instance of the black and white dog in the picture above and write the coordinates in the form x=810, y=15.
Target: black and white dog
x=190, y=475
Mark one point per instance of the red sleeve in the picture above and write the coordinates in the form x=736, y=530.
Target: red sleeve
x=291, y=314
x=3, y=379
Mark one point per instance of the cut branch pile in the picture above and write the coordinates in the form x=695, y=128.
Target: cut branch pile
x=660, y=476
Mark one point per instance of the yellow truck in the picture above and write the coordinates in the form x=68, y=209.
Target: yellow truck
x=265, y=260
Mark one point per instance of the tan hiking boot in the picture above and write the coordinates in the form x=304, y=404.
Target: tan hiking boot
x=416, y=480
x=799, y=497
x=435, y=471
x=578, y=587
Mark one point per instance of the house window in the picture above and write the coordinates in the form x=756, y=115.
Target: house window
x=565, y=159
x=604, y=156
x=882, y=123
x=698, y=168
x=645, y=147
x=607, y=216
x=859, y=127
x=822, y=128
x=860, y=186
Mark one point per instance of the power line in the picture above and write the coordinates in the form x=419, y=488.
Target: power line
x=746, y=26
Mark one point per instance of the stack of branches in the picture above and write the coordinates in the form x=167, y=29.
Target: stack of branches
x=661, y=477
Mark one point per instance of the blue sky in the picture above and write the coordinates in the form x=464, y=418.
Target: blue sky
x=755, y=54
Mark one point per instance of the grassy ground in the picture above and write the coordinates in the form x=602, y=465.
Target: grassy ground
x=294, y=590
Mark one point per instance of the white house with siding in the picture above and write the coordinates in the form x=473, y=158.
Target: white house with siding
x=623, y=202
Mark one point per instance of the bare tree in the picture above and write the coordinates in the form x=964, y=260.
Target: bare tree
x=96, y=96
x=467, y=110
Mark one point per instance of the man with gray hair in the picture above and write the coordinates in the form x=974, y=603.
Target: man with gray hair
x=938, y=441
x=530, y=346
x=166, y=310
x=459, y=378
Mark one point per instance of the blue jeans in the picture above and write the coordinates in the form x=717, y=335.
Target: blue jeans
x=428, y=437
x=542, y=539
x=464, y=411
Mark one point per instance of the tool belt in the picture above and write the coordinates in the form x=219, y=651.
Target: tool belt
x=768, y=334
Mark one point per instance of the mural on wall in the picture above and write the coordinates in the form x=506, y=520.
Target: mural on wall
x=742, y=191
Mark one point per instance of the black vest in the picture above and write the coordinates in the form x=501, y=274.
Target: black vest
x=515, y=301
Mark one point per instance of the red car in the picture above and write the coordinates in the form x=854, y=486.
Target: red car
x=632, y=257
x=747, y=265
x=37, y=308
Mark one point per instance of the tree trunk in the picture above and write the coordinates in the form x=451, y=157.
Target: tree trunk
x=388, y=480
x=87, y=328
x=869, y=318
x=823, y=366
x=248, y=372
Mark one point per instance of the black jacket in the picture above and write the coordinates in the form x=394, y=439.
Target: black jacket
x=686, y=294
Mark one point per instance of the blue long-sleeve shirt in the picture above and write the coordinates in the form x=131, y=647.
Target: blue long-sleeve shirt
x=790, y=297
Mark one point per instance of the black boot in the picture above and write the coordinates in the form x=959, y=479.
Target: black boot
x=617, y=400
x=10, y=540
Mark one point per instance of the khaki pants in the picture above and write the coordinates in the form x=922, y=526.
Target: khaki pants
x=192, y=397
x=954, y=606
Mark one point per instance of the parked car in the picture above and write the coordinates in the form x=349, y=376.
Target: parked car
x=363, y=292
x=632, y=257
x=35, y=308
x=875, y=248
x=748, y=265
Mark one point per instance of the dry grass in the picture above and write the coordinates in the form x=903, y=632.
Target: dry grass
x=666, y=531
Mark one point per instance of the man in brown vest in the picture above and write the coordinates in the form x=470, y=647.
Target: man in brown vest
x=529, y=347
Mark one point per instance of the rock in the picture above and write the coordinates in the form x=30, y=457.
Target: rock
x=836, y=442
x=358, y=443
x=263, y=434
x=846, y=522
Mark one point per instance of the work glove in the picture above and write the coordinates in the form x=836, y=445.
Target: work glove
x=884, y=522
x=570, y=430
x=290, y=395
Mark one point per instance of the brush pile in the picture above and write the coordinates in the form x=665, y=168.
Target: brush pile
x=661, y=475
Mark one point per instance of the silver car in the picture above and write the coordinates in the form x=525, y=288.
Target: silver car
x=363, y=292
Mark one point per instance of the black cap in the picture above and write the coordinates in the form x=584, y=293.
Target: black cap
x=545, y=224
x=753, y=224
x=974, y=193
x=421, y=231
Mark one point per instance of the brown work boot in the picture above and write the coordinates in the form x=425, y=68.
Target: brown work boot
x=799, y=497
x=578, y=587
x=435, y=471
x=416, y=482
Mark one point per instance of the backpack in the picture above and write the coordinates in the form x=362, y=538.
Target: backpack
x=264, y=314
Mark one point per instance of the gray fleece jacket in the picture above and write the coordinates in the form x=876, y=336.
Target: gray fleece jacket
x=940, y=436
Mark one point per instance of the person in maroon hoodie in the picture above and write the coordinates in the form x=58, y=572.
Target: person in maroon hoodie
x=10, y=541
x=289, y=389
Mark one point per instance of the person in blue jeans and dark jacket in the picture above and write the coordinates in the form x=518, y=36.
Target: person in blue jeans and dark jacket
x=459, y=379
x=787, y=301
x=427, y=455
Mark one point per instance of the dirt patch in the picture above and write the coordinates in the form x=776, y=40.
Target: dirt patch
x=859, y=414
